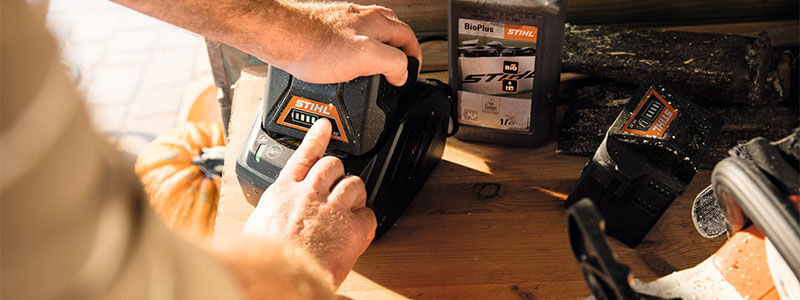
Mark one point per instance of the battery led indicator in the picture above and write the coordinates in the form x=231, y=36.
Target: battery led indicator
x=304, y=118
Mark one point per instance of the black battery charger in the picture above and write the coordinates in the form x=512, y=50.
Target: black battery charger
x=391, y=137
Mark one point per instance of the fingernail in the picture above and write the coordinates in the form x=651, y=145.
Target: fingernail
x=320, y=120
x=405, y=77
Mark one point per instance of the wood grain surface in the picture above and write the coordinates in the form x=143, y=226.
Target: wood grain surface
x=490, y=223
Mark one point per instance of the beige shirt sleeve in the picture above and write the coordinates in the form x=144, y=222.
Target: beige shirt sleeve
x=72, y=217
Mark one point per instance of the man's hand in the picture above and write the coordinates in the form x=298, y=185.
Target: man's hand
x=317, y=42
x=348, y=40
x=315, y=206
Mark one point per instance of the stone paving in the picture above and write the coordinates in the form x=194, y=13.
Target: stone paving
x=138, y=74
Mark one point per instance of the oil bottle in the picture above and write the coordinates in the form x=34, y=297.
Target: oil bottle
x=505, y=62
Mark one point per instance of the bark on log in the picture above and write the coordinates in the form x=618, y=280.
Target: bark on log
x=430, y=17
x=678, y=11
x=715, y=69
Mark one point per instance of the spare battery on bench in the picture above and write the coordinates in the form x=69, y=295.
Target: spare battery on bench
x=646, y=160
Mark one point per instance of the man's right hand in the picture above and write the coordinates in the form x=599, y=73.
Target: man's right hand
x=315, y=206
x=316, y=42
x=348, y=40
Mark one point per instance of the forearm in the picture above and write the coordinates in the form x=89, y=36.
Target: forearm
x=265, y=28
x=269, y=270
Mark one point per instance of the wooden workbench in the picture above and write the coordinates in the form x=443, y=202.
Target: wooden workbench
x=490, y=223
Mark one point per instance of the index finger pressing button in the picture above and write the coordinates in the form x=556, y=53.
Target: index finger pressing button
x=309, y=152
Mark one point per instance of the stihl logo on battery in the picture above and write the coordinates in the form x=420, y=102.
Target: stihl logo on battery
x=652, y=117
x=475, y=78
x=300, y=113
x=313, y=106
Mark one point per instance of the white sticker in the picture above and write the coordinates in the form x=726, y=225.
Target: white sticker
x=481, y=28
x=494, y=111
x=498, y=30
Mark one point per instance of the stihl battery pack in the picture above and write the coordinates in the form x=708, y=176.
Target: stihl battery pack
x=391, y=137
x=646, y=160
